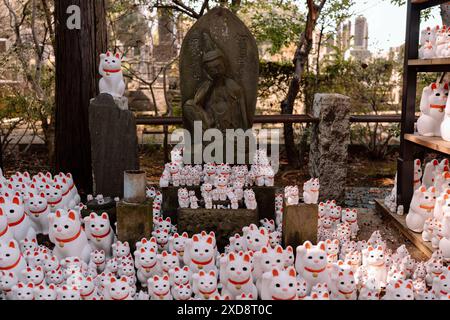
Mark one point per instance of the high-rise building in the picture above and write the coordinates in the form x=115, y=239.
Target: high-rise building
x=361, y=38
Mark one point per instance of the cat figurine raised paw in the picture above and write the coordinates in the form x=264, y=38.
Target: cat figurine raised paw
x=110, y=68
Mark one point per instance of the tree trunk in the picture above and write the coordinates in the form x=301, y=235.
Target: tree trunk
x=300, y=60
x=77, y=56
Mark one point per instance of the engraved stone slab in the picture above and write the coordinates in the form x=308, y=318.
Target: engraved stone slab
x=219, y=33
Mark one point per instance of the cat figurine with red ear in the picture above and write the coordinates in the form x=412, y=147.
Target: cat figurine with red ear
x=118, y=289
x=421, y=208
x=279, y=285
x=37, y=209
x=5, y=232
x=204, y=285
x=99, y=232
x=311, y=263
x=236, y=275
x=7, y=281
x=146, y=263
x=44, y=292
x=200, y=253
x=432, y=106
x=18, y=221
x=110, y=68
x=23, y=291
x=159, y=288
x=401, y=290
x=343, y=283
x=11, y=259
x=68, y=236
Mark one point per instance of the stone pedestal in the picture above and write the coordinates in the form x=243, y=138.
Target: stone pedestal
x=329, y=145
x=109, y=206
x=225, y=223
x=300, y=224
x=170, y=200
x=114, y=145
x=134, y=221
x=265, y=197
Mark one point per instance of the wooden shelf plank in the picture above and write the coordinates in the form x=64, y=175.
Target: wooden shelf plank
x=424, y=4
x=427, y=62
x=430, y=65
x=399, y=222
x=433, y=143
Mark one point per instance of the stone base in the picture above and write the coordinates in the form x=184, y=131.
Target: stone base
x=300, y=224
x=170, y=200
x=109, y=206
x=225, y=223
x=265, y=197
x=134, y=221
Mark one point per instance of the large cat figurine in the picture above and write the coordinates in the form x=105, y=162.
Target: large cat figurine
x=432, y=105
x=68, y=236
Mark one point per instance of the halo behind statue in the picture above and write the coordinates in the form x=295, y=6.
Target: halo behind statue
x=220, y=33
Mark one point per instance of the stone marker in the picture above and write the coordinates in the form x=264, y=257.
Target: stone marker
x=300, y=224
x=114, y=145
x=134, y=221
x=225, y=223
x=219, y=58
x=265, y=197
x=329, y=145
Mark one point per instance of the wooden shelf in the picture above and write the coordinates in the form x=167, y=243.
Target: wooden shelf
x=399, y=222
x=433, y=143
x=424, y=4
x=430, y=65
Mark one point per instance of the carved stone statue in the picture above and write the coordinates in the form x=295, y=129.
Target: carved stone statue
x=219, y=73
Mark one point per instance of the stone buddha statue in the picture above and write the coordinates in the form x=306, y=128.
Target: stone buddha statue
x=219, y=102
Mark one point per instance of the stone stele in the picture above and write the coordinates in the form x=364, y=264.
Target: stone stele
x=219, y=68
x=114, y=145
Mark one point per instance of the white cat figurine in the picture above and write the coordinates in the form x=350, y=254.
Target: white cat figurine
x=110, y=69
x=68, y=236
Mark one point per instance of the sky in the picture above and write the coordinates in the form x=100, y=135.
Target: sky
x=387, y=23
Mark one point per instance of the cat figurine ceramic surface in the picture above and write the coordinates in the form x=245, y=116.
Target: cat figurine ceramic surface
x=279, y=285
x=99, y=232
x=68, y=236
x=311, y=190
x=311, y=263
x=110, y=68
x=200, y=253
x=432, y=106
x=421, y=208
x=5, y=233
x=236, y=275
x=11, y=259
x=204, y=284
x=37, y=209
x=18, y=222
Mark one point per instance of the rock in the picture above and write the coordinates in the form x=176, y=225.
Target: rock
x=225, y=223
x=114, y=145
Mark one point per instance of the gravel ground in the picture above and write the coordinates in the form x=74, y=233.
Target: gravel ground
x=369, y=221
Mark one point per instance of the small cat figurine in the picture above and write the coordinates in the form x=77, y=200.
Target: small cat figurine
x=11, y=259
x=236, y=275
x=205, y=285
x=44, y=292
x=279, y=285
x=311, y=263
x=110, y=68
x=159, y=288
x=99, y=232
